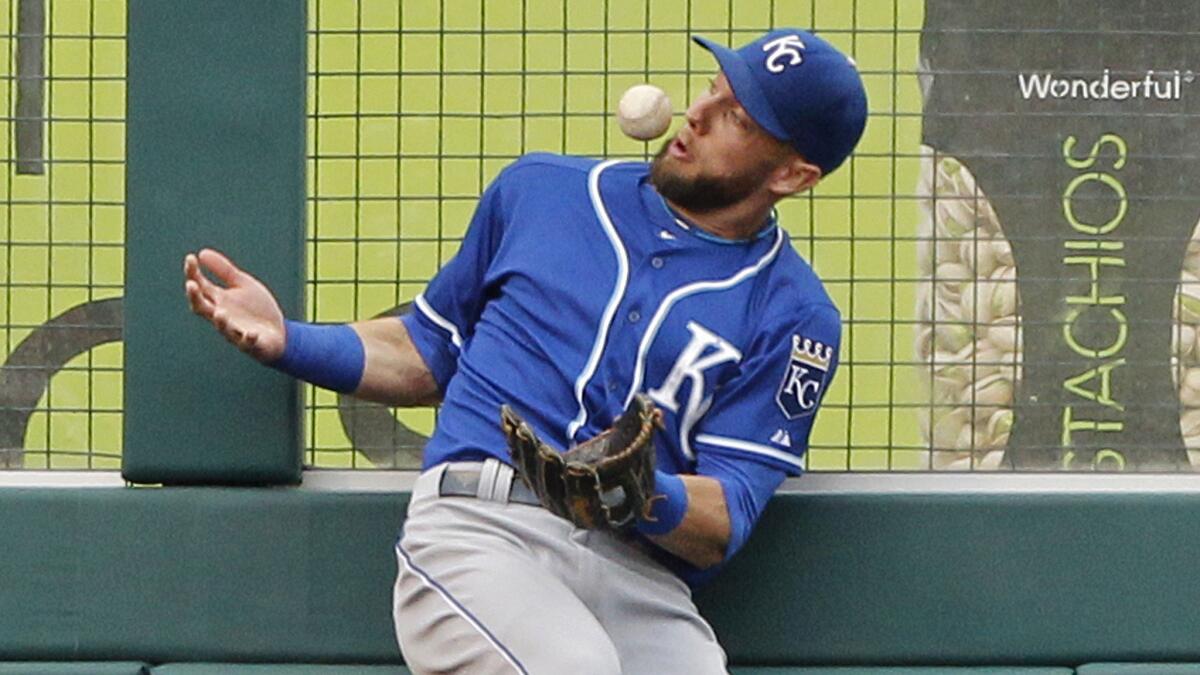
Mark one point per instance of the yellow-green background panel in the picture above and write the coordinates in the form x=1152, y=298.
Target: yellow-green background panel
x=409, y=120
x=61, y=232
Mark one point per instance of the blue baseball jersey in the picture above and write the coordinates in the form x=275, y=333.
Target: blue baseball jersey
x=576, y=287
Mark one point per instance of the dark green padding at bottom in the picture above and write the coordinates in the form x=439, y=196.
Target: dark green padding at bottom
x=866, y=670
x=55, y=668
x=273, y=669
x=909, y=670
x=1140, y=669
x=281, y=576
x=967, y=579
x=166, y=575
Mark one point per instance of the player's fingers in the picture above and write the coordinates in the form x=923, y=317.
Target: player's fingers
x=233, y=334
x=229, y=326
x=200, y=304
x=220, y=265
x=220, y=319
x=249, y=342
x=192, y=271
x=203, y=283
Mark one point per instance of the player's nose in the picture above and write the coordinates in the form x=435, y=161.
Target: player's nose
x=698, y=112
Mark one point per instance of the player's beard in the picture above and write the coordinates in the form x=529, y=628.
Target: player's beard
x=703, y=194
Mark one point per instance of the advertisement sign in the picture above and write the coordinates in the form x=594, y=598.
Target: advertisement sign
x=1060, y=301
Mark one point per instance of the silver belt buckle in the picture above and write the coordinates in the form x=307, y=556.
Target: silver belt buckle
x=458, y=482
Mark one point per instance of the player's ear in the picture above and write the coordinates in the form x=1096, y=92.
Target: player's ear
x=794, y=175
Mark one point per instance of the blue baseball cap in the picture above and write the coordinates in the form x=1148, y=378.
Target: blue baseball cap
x=801, y=89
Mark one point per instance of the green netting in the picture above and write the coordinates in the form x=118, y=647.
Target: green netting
x=62, y=145
x=415, y=106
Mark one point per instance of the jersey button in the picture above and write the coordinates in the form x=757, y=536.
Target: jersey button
x=634, y=316
x=657, y=262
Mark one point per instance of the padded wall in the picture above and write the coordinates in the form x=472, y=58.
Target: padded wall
x=215, y=158
x=1049, y=579
x=191, y=574
x=253, y=575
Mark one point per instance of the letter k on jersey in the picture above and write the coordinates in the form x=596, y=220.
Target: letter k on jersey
x=691, y=364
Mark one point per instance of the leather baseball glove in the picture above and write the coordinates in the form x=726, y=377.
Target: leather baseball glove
x=605, y=483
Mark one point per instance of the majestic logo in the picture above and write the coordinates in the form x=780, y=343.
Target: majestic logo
x=801, y=387
x=782, y=437
x=705, y=350
x=789, y=47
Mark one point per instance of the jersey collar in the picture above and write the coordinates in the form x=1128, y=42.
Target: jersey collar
x=687, y=225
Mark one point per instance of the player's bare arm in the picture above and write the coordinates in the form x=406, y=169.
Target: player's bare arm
x=395, y=374
x=703, y=534
x=246, y=313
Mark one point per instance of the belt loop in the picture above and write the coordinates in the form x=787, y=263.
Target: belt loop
x=487, y=479
x=431, y=481
x=504, y=479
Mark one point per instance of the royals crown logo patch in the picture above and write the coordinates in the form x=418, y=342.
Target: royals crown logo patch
x=807, y=369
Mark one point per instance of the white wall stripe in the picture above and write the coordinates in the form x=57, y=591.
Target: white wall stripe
x=31, y=478
x=1153, y=485
x=682, y=292
x=440, y=320
x=614, y=300
x=747, y=446
x=813, y=482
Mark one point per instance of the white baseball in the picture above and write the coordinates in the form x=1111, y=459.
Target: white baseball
x=644, y=112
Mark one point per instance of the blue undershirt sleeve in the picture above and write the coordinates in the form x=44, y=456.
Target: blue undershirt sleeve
x=757, y=431
x=438, y=353
x=748, y=485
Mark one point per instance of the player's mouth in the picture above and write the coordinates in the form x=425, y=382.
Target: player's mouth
x=678, y=149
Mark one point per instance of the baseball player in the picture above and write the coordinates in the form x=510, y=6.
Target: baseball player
x=582, y=287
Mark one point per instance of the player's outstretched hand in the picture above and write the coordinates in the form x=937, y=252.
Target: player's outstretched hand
x=241, y=307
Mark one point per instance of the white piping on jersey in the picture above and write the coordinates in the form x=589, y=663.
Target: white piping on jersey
x=690, y=417
x=423, y=305
x=665, y=306
x=747, y=446
x=614, y=300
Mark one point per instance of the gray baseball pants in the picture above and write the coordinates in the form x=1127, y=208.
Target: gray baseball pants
x=490, y=586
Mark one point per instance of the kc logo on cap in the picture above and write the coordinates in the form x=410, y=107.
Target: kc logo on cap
x=789, y=46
